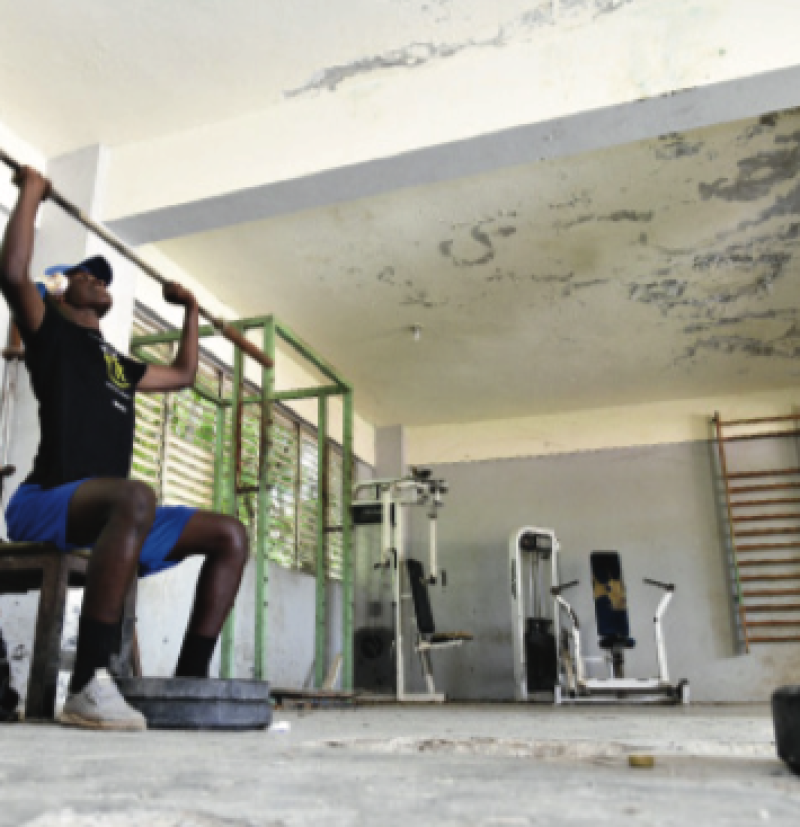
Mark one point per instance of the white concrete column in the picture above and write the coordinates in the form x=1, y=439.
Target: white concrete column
x=390, y=451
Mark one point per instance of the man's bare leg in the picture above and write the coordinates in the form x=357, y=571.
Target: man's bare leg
x=223, y=541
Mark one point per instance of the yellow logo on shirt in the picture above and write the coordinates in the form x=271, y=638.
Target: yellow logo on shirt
x=116, y=373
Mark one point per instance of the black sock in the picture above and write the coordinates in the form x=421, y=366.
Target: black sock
x=195, y=657
x=97, y=642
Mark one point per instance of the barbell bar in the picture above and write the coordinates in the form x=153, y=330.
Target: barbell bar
x=231, y=333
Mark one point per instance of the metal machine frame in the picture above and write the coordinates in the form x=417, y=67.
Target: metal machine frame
x=575, y=687
x=418, y=489
x=526, y=598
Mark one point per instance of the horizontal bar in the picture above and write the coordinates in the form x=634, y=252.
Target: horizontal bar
x=769, y=607
x=762, y=421
x=756, y=503
x=782, y=472
x=752, y=518
x=743, y=564
x=307, y=352
x=768, y=547
x=763, y=532
x=773, y=593
x=227, y=329
x=307, y=393
x=753, y=623
x=774, y=639
x=254, y=322
x=748, y=489
x=168, y=336
x=754, y=578
x=764, y=435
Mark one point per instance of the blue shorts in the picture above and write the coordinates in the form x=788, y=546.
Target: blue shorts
x=37, y=515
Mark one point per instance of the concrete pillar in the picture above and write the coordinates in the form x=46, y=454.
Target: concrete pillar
x=390, y=451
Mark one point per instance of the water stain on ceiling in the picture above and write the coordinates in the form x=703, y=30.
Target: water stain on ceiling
x=657, y=270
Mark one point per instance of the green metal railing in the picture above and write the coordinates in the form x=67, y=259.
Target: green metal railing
x=227, y=489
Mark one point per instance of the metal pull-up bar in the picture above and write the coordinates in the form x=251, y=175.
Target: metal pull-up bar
x=227, y=330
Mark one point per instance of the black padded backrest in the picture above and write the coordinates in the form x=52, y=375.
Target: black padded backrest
x=610, y=597
x=419, y=593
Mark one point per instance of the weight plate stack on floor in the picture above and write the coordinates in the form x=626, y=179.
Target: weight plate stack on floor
x=786, y=716
x=199, y=703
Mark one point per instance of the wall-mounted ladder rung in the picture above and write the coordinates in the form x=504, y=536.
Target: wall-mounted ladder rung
x=767, y=623
x=764, y=420
x=767, y=547
x=761, y=435
x=771, y=607
x=749, y=475
x=755, y=518
x=771, y=639
x=764, y=532
x=752, y=489
x=753, y=578
x=758, y=503
x=771, y=593
x=772, y=561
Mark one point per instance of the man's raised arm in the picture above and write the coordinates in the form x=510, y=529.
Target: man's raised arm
x=17, y=250
x=181, y=373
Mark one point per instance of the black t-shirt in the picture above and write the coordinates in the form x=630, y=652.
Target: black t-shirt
x=85, y=390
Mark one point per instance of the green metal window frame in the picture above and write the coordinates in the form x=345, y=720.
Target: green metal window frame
x=229, y=483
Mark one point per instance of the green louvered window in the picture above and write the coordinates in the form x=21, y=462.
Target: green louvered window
x=175, y=453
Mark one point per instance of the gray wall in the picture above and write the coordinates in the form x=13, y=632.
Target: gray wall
x=656, y=506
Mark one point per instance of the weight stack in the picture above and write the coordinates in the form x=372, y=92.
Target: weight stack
x=374, y=661
x=540, y=655
x=786, y=717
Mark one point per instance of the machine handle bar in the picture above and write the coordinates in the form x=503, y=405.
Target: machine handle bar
x=668, y=587
x=556, y=590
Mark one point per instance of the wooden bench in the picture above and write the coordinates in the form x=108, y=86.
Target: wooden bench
x=26, y=567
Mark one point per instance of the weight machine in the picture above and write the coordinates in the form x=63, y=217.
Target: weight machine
x=381, y=503
x=611, y=610
x=534, y=572
x=549, y=663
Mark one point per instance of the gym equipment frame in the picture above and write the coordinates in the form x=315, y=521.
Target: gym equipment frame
x=228, y=485
x=390, y=495
x=529, y=549
x=576, y=687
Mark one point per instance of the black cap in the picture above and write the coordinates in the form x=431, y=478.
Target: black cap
x=97, y=266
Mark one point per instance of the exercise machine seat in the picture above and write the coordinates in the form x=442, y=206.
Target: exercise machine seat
x=422, y=608
x=610, y=601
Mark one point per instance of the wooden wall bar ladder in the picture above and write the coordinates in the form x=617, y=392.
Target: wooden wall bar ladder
x=763, y=513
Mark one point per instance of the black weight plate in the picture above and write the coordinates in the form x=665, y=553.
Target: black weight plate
x=786, y=717
x=199, y=703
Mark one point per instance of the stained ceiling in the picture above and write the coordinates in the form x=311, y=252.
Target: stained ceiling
x=660, y=270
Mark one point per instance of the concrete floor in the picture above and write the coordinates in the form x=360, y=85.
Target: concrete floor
x=389, y=765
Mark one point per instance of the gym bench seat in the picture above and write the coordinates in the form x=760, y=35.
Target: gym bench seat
x=428, y=639
x=26, y=567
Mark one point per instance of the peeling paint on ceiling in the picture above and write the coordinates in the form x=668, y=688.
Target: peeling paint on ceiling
x=519, y=28
x=659, y=270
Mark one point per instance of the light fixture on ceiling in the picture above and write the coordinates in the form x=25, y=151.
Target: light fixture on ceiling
x=416, y=332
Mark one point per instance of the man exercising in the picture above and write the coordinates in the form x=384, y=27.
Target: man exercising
x=78, y=493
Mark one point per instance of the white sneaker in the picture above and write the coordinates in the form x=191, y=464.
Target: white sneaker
x=99, y=705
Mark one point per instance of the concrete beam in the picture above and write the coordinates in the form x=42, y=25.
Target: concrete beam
x=556, y=138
